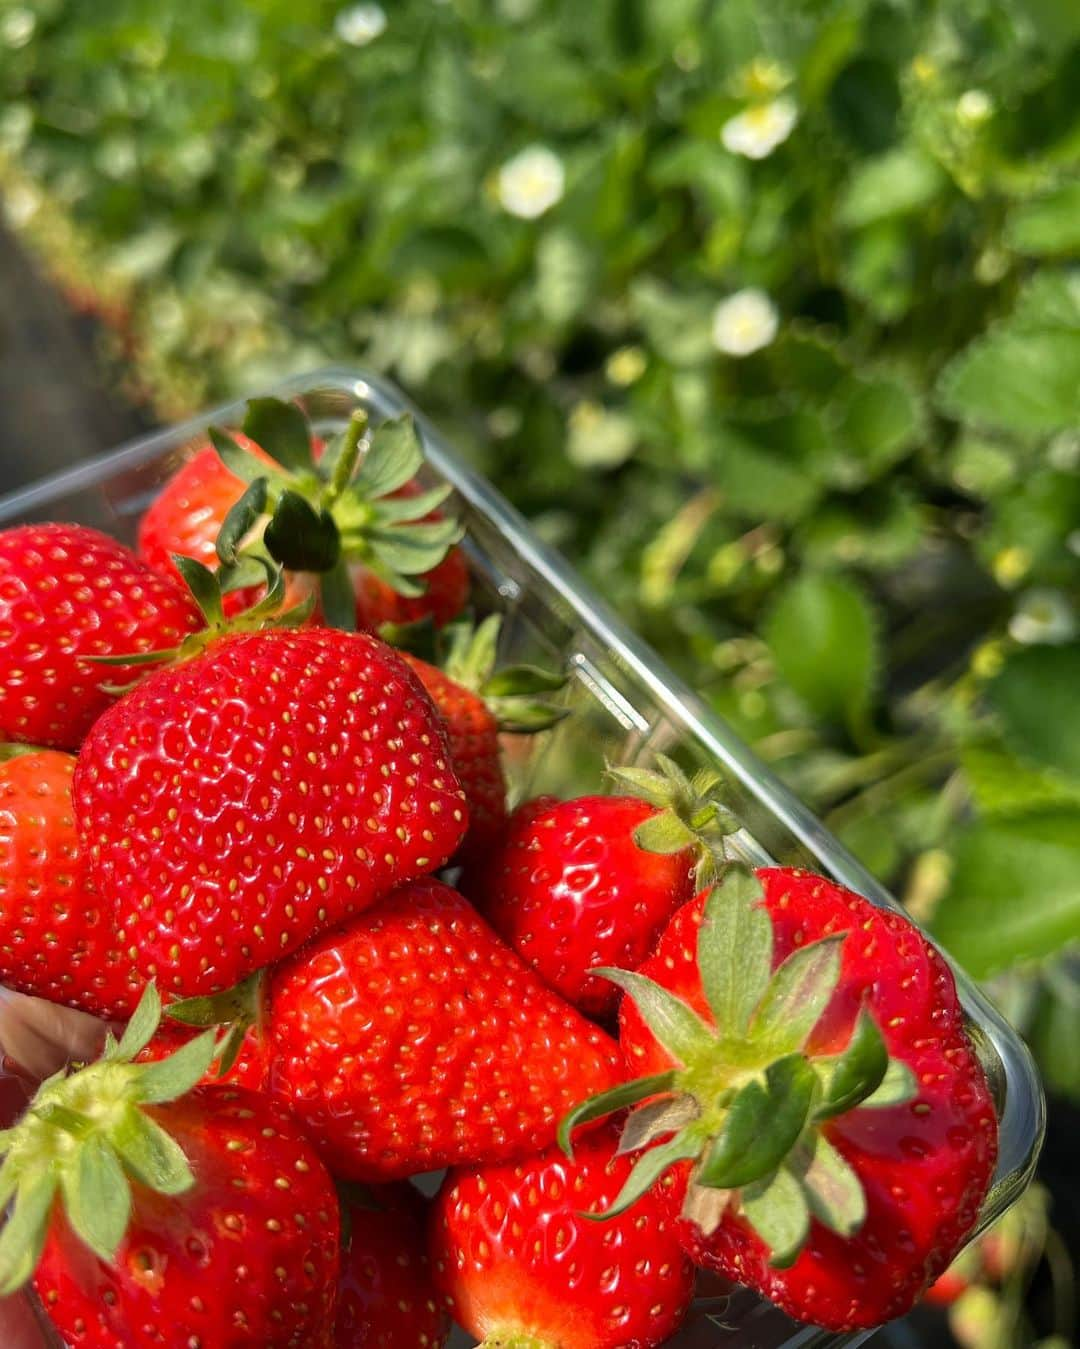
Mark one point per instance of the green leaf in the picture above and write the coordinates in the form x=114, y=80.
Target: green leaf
x=831, y=1186
x=608, y=1102
x=338, y=597
x=797, y=994
x=152, y=1156
x=23, y=1235
x=97, y=1196
x=1035, y=699
x=1002, y=784
x=241, y=520
x=392, y=459
x=648, y=1170
x=896, y=183
x=678, y=328
x=758, y=483
x=824, y=640
x=880, y=422
x=676, y=1026
x=852, y=1076
x=762, y=1125
x=299, y=537
x=140, y=1029
x=778, y=1212
x=735, y=950
x=282, y=430
x=1022, y=381
x=1048, y=225
x=169, y=1078
x=242, y=463
x=1015, y=892
x=204, y=586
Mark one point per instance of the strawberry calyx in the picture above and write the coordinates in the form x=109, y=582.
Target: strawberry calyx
x=234, y=1010
x=745, y=1101
x=85, y=1136
x=513, y=1340
x=321, y=514
x=10, y=749
x=689, y=813
x=514, y=693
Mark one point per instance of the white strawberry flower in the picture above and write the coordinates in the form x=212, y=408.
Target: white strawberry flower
x=757, y=132
x=360, y=24
x=531, y=183
x=744, y=322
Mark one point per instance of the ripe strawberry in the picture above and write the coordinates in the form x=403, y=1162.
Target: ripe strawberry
x=518, y=1263
x=263, y=790
x=592, y=881
x=56, y=936
x=158, y=1215
x=250, y=1068
x=414, y=1039
x=476, y=703
x=386, y=1299
x=68, y=593
x=806, y=1050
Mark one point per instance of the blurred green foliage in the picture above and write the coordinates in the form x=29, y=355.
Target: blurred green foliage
x=846, y=506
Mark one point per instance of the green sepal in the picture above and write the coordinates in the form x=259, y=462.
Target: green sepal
x=664, y=833
x=97, y=1196
x=338, y=597
x=282, y=430
x=608, y=1102
x=779, y=1212
x=510, y=693
x=229, y=1046
x=241, y=519
x=675, y=1025
x=797, y=994
x=518, y=716
x=404, y=509
x=249, y=570
x=668, y=1115
x=204, y=586
x=898, y=1086
x=139, y=1031
x=240, y=1003
x=242, y=463
x=61, y=1116
x=375, y=563
x=852, y=1076
x=300, y=537
x=471, y=651
x=152, y=1156
x=763, y=1123
x=735, y=951
x=392, y=459
x=169, y=1078
x=420, y=638
x=830, y=1184
x=9, y=751
x=413, y=550
x=516, y=681
x=648, y=1169
x=23, y=1234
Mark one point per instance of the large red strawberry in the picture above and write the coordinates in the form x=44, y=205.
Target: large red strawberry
x=68, y=593
x=414, y=1039
x=386, y=1298
x=57, y=938
x=375, y=541
x=520, y=1262
x=478, y=702
x=151, y=1214
x=806, y=1062
x=268, y=788
x=592, y=881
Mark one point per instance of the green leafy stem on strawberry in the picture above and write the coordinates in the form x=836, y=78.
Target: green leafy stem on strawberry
x=747, y=1102
x=319, y=514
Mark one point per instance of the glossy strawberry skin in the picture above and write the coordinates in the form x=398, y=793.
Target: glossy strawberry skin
x=568, y=888
x=925, y=1165
x=251, y=1069
x=386, y=1298
x=513, y=1256
x=57, y=939
x=67, y=593
x=414, y=1039
x=248, y=1256
x=258, y=793
x=473, y=735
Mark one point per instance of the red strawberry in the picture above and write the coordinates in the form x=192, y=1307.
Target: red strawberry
x=56, y=936
x=165, y=1216
x=251, y=1067
x=476, y=703
x=593, y=881
x=518, y=1263
x=266, y=789
x=386, y=1299
x=807, y=1051
x=414, y=1039
x=68, y=593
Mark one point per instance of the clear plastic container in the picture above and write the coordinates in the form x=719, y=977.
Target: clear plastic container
x=627, y=705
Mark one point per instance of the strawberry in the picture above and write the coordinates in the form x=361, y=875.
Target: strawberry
x=250, y=1067
x=372, y=537
x=805, y=1058
x=518, y=1262
x=386, y=1299
x=56, y=936
x=161, y=1215
x=259, y=792
x=68, y=594
x=476, y=703
x=592, y=881
x=414, y=1039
